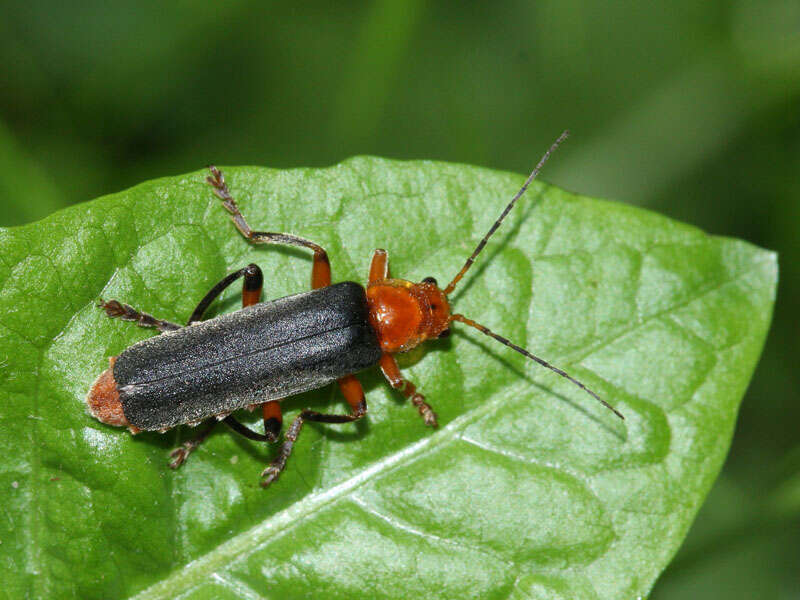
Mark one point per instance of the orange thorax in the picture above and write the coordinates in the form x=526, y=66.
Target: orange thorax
x=404, y=314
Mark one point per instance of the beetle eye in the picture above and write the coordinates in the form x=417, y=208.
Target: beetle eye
x=445, y=334
x=431, y=280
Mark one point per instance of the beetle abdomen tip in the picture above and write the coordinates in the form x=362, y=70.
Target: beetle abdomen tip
x=103, y=399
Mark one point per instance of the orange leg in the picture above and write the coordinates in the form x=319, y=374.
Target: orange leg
x=379, y=267
x=391, y=371
x=273, y=419
x=378, y=271
x=353, y=393
x=320, y=270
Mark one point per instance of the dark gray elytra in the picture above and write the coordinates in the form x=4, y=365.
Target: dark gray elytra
x=267, y=351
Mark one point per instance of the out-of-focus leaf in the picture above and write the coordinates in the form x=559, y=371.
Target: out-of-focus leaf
x=529, y=489
x=27, y=191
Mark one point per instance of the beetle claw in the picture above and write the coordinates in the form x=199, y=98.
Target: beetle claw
x=180, y=454
x=425, y=411
x=270, y=474
x=430, y=419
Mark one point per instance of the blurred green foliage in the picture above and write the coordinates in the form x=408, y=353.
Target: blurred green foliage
x=689, y=108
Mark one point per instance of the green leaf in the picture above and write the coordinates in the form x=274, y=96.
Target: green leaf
x=529, y=489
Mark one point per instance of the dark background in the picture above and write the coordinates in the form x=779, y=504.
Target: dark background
x=689, y=108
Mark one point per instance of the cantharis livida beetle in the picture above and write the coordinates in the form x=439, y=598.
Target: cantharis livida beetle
x=269, y=351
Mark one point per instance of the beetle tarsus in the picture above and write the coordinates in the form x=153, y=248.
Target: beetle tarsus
x=217, y=181
x=321, y=272
x=270, y=474
x=117, y=310
x=182, y=452
x=392, y=374
x=425, y=410
x=273, y=471
x=275, y=468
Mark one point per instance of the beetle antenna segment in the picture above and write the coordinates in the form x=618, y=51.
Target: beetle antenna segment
x=544, y=363
x=452, y=285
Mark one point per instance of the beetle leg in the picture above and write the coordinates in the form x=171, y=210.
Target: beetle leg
x=245, y=431
x=273, y=419
x=353, y=393
x=321, y=270
x=378, y=271
x=379, y=266
x=182, y=452
x=125, y=312
x=392, y=374
x=251, y=290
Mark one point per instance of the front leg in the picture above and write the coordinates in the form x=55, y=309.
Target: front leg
x=391, y=371
x=379, y=271
x=379, y=266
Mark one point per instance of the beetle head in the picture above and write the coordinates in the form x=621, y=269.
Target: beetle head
x=404, y=314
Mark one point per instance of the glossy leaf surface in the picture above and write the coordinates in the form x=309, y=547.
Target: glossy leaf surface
x=529, y=489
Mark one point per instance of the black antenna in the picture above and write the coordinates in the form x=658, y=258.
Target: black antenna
x=544, y=363
x=451, y=286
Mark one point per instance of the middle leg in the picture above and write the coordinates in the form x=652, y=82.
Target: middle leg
x=353, y=393
x=321, y=269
